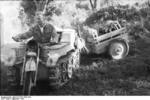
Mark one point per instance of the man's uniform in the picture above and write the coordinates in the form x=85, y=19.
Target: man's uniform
x=40, y=34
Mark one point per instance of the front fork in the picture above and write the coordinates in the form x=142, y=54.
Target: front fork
x=23, y=72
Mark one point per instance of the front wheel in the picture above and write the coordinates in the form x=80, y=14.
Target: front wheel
x=118, y=49
x=28, y=83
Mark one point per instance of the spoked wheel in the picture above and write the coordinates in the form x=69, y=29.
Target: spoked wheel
x=28, y=83
x=118, y=50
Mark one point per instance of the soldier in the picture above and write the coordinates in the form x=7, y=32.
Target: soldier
x=41, y=32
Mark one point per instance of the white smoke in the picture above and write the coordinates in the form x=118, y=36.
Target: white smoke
x=11, y=23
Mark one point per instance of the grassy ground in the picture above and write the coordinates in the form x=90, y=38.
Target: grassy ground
x=102, y=76
x=130, y=76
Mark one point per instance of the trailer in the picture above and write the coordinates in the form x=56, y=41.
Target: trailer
x=113, y=40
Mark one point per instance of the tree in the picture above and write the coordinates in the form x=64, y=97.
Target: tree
x=93, y=4
x=41, y=5
x=107, y=2
x=32, y=6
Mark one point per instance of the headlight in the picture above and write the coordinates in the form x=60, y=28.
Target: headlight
x=52, y=59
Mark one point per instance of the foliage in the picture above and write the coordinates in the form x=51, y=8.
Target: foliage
x=30, y=7
x=136, y=18
x=71, y=13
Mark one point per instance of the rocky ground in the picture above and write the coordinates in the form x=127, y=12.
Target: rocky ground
x=99, y=75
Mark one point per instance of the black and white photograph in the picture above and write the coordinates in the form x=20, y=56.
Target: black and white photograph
x=74, y=48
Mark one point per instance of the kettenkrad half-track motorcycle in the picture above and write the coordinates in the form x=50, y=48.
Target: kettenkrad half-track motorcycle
x=54, y=62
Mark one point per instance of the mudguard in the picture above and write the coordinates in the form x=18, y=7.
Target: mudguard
x=12, y=53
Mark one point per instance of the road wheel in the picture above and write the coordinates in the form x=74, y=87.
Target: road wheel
x=10, y=79
x=12, y=76
x=64, y=68
x=118, y=49
x=77, y=63
x=69, y=71
x=28, y=83
x=59, y=75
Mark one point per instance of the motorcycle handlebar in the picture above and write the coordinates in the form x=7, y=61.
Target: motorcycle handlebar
x=17, y=39
x=40, y=44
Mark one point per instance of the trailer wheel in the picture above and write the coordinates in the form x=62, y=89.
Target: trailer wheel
x=118, y=49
